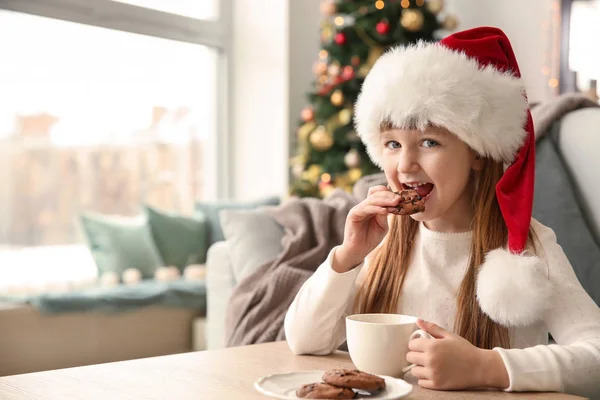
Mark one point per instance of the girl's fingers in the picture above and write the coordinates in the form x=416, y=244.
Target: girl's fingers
x=426, y=384
x=378, y=188
x=368, y=210
x=420, y=372
x=383, y=199
x=415, y=357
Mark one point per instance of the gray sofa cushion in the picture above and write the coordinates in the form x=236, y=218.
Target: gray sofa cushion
x=579, y=145
x=557, y=206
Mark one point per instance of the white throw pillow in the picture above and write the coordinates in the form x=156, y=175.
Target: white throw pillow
x=253, y=237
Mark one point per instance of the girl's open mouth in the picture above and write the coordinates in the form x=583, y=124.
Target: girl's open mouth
x=422, y=188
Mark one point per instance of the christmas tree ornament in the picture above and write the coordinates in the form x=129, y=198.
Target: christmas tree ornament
x=450, y=22
x=313, y=173
x=305, y=130
x=340, y=38
x=334, y=69
x=308, y=114
x=319, y=68
x=355, y=60
x=420, y=3
x=345, y=116
x=320, y=139
x=337, y=98
x=326, y=33
x=354, y=174
x=328, y=8
x=412, y=20
x=383, y=27
x=435, y=6
x=325, y=189
x=347, y=73
x=352, y=159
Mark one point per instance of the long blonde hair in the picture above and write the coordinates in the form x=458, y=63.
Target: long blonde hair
x=380, y=292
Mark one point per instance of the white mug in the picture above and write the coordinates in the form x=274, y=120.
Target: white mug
x=378, y=343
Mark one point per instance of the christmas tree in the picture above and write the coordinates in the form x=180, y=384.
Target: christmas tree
x=354, y=34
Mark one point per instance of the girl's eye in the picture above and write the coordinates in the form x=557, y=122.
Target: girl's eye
x=430, y=143
x=392, y=144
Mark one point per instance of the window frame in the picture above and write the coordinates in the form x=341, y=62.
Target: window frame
x=215, y=33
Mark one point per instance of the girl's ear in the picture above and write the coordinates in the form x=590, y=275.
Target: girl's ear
x=477, y=164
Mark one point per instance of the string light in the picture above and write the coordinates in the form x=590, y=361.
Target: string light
x=420, y=3
x=553, y=83
x=546, y=70
x=339, y=21
x=326, y=178
x=323, y=54
x=405, y=3
x=379, y=4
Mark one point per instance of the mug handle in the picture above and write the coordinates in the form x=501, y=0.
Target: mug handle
x=419, y=333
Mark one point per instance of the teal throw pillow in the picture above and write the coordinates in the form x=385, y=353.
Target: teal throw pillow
x=119, y=243
x=181, y=240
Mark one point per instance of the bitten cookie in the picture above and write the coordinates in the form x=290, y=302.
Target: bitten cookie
x=324, y=391
x=411, y=202
x=355, y=379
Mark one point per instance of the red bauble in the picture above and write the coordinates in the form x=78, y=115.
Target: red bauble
x=383, y=27
x=340, y=38
x=347, y=73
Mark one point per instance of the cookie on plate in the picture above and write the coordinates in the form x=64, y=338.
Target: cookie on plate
x=324, y=391
x=354, y=379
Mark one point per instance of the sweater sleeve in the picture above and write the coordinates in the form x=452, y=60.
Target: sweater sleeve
x=573, y=364
x=315, y=322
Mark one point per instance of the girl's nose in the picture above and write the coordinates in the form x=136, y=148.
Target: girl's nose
x=407, y=162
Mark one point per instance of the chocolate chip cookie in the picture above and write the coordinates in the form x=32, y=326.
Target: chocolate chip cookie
x=355, y=379
x=411, y=202
x=324, y=391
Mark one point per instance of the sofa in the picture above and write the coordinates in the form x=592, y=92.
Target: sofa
x=567, y=162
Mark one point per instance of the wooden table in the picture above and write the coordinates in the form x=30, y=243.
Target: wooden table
x=220, y=374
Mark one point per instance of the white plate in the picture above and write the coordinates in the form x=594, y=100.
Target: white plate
x=284, y=386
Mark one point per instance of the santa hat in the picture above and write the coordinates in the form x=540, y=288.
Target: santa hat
x=470, y=84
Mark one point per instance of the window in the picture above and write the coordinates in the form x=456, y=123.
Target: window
x=104, y=114
x=200, y=9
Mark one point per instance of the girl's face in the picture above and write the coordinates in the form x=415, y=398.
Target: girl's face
x=439, y=166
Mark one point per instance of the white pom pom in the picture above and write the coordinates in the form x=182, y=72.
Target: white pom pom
x=109, y=278
x=131, y=276
x=166, y=274
x=195, y=272
x=513, y=289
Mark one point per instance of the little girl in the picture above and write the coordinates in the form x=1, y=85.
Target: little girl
x=451, y=119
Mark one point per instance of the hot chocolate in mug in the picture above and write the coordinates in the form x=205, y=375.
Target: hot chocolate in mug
x=378, y=343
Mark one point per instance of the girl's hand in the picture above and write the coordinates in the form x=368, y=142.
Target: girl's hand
x=450, y=362
x=366, y=226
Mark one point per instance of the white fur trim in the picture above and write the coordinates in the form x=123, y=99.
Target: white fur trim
x=513, y=289
x=429, y=84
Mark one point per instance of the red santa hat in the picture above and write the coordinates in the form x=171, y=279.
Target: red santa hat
x=470, y=84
